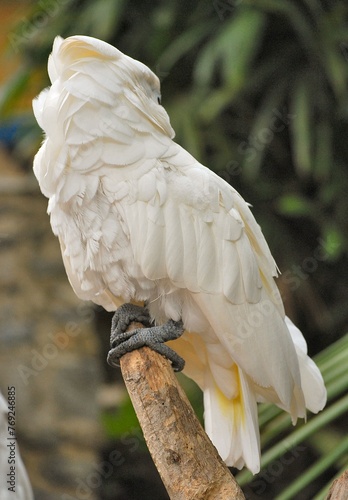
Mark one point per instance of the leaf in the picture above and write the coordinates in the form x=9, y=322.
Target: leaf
x=294, y=205
x=336, y=69
x=214, y=104
x=183, y=44
x=323, y=155
x=302, y=127
x=183, y=118
x=271, y=119
x=100, y=18
x=122, y=421
x=333, y=241
x=241, y=45
x=233, y=50
x=332, y=50
x=302, y=25
x=310, y=475
x=12, y=90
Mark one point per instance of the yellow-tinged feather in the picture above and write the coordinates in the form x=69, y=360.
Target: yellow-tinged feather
x=237, y=402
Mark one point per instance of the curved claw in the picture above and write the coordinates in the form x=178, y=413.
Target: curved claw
x=153, y=337
x=123, y=317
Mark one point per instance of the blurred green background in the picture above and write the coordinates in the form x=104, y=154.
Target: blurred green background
x=257, y=91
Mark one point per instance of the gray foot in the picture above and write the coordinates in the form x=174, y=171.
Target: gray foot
x=122, y=342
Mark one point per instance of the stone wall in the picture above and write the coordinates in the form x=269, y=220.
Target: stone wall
x=48, y=347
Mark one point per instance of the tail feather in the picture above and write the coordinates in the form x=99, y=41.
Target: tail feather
x=231, y=395
x=311, y=379
x=231, y=423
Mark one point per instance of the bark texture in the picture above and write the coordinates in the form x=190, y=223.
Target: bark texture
x=186, y=460
x=339, y=488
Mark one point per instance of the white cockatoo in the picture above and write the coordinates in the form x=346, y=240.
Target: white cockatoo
x=140, y=220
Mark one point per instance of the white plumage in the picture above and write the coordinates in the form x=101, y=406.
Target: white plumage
x=138, y=218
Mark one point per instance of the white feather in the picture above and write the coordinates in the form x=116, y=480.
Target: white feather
x=138, y=218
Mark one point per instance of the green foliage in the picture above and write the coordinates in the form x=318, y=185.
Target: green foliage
x=294, y=205
x=122, y=421
x=12, y=90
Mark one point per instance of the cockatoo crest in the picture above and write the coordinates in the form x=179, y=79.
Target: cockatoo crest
x=130, y=78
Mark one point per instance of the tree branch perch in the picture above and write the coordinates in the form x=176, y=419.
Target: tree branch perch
x=339, y=488
x=186, y=460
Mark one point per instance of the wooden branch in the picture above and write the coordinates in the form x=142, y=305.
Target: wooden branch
x=186, y=460
x=339, y=488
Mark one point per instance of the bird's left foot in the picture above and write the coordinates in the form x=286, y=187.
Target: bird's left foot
x=154, y=337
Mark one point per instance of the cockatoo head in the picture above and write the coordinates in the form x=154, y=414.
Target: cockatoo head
x=103, y=108
x=130, y=72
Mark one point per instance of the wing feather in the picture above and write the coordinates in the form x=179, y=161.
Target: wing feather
x=153, y=261
x=205, y=244
x=232, y=278
x=189, y=249
x=174, y=243
x=208, y=272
